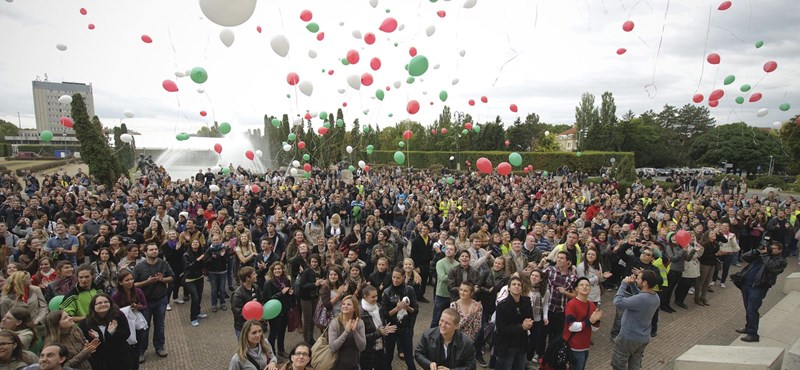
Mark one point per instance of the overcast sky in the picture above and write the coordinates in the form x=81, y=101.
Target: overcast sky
x=540, y=55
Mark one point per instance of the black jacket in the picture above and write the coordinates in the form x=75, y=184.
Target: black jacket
x=456, y=277
x=391, y=296
x=308, y=288
x=508, y=320
x=272, y=290
x=240, y=297
x=770, y=267
x=490, y=282
x=461, y=352
x=372, y=332
x=113, y=350
x=422, y=253
x=193, y=268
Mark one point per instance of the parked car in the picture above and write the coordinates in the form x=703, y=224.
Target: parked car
x=27, y=155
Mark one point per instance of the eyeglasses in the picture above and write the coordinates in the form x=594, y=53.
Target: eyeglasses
x=303, y=354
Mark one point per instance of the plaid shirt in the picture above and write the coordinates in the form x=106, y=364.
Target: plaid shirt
x=555, y=279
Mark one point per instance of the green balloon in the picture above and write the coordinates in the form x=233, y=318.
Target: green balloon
x=578, y=154
x=739, y=100
x=729, y=80
x=515, y=159
x=464, y=131
x=226, y=171
x=370, y=147
x=276, y=123
x=388, y=10
x=225, y=128
x=399, y=157
x=179, y=137
x=410, y=80
x=477, y=129
x=345, y=61
x=395, y=44
x=339, y=122
x=443, y=95
x=307, y=175
x=46, y=136
x=379, y=94
x=401, y=144
x=198, y=75
x=351, y=168
x=784, y=107
x=323, y=115
x=545, y=174
x=55, y=302
x=306, y=157
x=418, y=65
x=326, y=125
x=292, y=136
x=759, y=44
x=406, y=67
x=745, y=88
x=450, y=180
x=365, y=129
x=312, y=27
x=272, y=309
x=391, y=114
x=289, y=96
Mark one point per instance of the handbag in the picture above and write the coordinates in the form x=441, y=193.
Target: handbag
x=321, y=315
x=321, y=356
x=558, y=355
x=294, y=321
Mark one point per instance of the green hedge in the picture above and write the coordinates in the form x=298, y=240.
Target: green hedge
x=589, y=162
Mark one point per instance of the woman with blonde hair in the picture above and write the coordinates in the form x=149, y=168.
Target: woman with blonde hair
x=411, y=277
x=335, y=228
x=18, y=292
x=253, y=352
x=346, y=336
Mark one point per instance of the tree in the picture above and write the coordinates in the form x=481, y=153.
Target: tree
x=212, y=131
x=125, y=151
x=8, y=129
x=744, y=146
x=95, y=152
x=587, y=118
x=547, y=144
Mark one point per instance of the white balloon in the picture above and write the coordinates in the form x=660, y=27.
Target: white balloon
x=547, y=133
x=295, y=163
x=200, y=90
x=401, y=27
x=293, y=171
x=228, y=13
x=298, y=121
x=287, y=147
x=762, y=112
x=227, y=37
x=341, y=91
x=357, y=34
x=312, y=54
x=462, y=52
x=396, y=84
x=341, y=24
x=306, y=87
x=373, y=3
x=430, y=30
x=126, y=138
x=259, y=153
x=436, y=66
x=362, y=164
x=452, y=158
x=214, y=188
x=216, y=169
x=61, y=47
x=366, y=111
x=65, y=99
x=777, y=124
x=455, y=81
x=470, y=3
x=179, y=74
x=424, y=93
x=349, y=149
x=280, y=45
x=128, y=113
x=354, y=81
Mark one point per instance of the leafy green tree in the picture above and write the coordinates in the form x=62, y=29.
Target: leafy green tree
x=95, y=152
x=745, y=146
x=125, y=151
x=8, y=129
x=547, y=144
x=587, y=119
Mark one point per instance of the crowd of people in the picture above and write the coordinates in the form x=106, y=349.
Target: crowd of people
x=517, y=265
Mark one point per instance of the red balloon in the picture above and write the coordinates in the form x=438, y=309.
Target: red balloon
x=412, y=107
x=756, y=97
x=507, y=143
x=713, y=58
x=504, y=169
x=433, y=131
x=366, y=79
x=218, y=148
x=67, y=122
x=484, y=99
x=369, y=38
x=407, y=134
x=725, y=5
x=301, y=144
x=627, y=26
x=770, y=66
x=344, y=104
x=713, y=103
x=697, y=98
x=798, y=120
x=306, y=15
x=322, y=130
x=252, y=311
x=292, y=78
x=444, y=131
x=471, y=102
x=258, y=29
x=352, y=56
x=468, y=126
x=441, y=13
x=431, y=103
x=83, y=11
x=91, y=26
x=307, y=167
x=249, y=154
x=255, y=189
x=307, y=116
x=716, y=94
x=513, y=108
x=366, y=168
x=320, y=36
x=388, y=25
x=203, y=113
x=375, y=64
x=484, y=165
x=526, y=169
x=330, y=72
x=169, y=85
x=388, y=88
x=683, y=238
x=412, y=51
x=621, y=51
x=146, y=39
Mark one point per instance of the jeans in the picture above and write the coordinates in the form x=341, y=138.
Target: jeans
x=579, y=359
x=195, y=290
x=439, y=305
x=156, y=311
x=373, y=360
x=727, y=260
x=537, y=339
x=217, y=281
x=237, y=332
x=404, y=339
x=627, y=354
x=174, y=286
x=752, y=298
x=511, y=359
x=277, y=331
x=307, y=308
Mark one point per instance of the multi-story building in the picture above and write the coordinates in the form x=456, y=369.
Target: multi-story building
x=49, y=111
x=568, y=140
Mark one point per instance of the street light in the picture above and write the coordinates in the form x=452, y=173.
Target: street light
x=458, y=116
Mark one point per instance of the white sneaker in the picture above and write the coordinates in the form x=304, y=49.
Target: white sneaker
x=712, y=284
x=201, y=316
x=722, y=285
x=195, y=323
x=178, y=301
x=691, y=291
x=169, y=308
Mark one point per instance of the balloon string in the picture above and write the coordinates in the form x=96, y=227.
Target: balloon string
x=731, y=33
x=705, y=45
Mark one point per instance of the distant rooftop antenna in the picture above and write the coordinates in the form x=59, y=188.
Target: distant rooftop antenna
x=45, y=77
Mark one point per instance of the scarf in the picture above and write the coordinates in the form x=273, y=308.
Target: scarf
x=172, y=243
x=258, y=355
x=373, y=312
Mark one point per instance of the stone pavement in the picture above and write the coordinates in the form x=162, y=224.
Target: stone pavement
x=211, y=345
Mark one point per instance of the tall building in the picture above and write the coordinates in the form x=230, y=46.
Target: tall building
x=49, y=111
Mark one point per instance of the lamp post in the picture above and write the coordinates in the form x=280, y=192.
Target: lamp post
x=458, y=117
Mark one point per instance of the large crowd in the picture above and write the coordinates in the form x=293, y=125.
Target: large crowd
x=512, y=268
